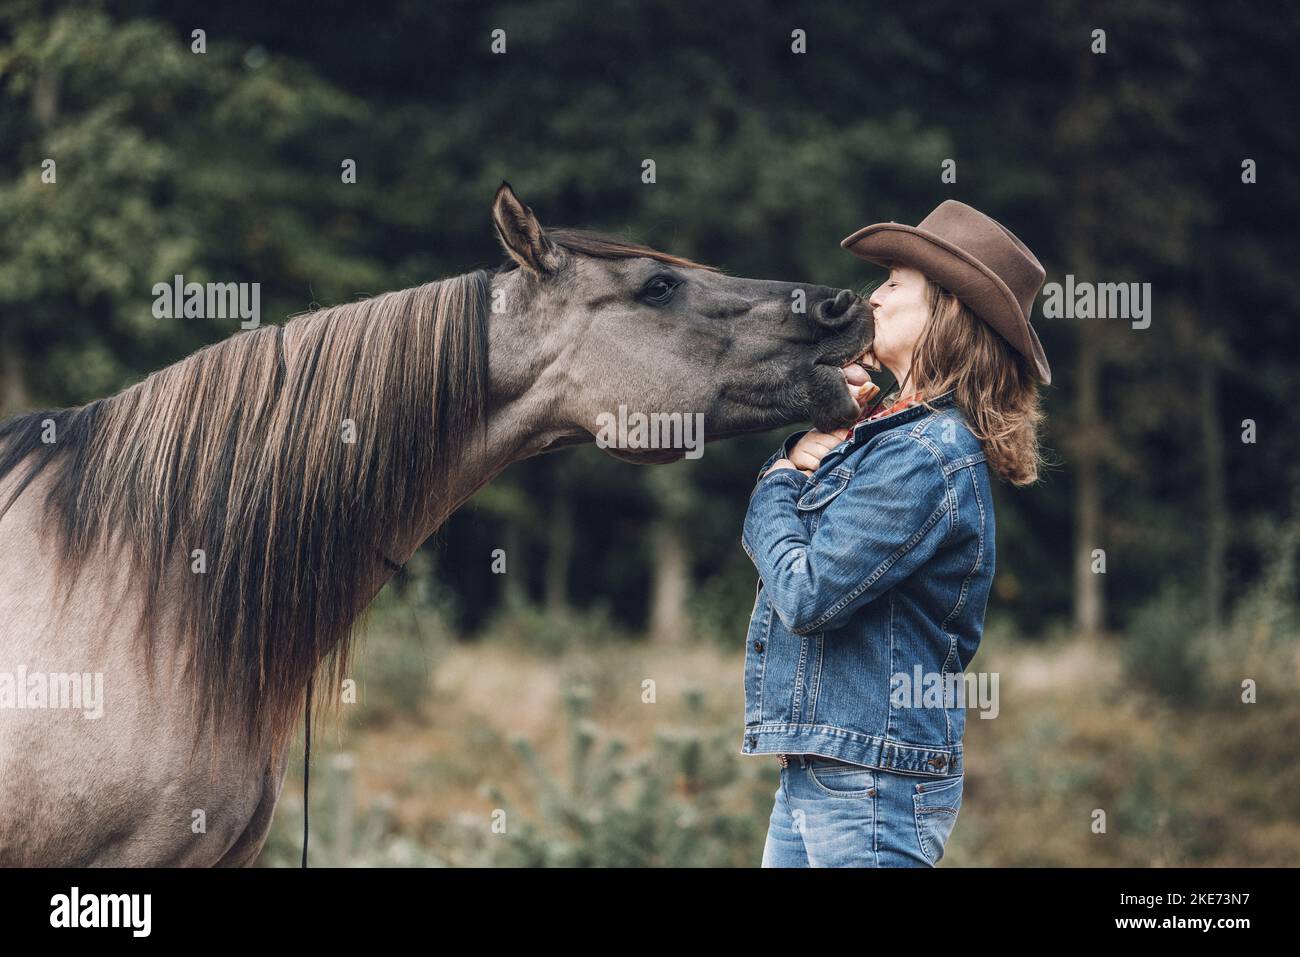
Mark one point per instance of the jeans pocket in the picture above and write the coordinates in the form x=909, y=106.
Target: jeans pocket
x=935, y=807
x=843, y=780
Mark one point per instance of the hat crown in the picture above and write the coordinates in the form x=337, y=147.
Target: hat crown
x=986, y=240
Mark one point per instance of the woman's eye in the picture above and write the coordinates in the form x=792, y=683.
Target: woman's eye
x=658, y=289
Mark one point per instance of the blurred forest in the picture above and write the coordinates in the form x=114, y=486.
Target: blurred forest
x=1122, y=166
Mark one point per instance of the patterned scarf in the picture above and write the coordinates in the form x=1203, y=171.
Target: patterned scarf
x=881, y=413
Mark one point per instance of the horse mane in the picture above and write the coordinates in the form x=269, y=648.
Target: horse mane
x=588, y=242
x=239, y=450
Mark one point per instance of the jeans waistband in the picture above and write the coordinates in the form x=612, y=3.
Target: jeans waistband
x=803, y=760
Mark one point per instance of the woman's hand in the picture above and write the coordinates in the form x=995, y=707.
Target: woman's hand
x=810, y=450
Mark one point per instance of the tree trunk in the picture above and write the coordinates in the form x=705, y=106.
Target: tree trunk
x=1076, y=142
x=45, y=97
x=513, y=592
x=560, y=553
x=1213, y=355
x=13, y=381
x=1089, y=593
x=671, y=584
x=1216, y=518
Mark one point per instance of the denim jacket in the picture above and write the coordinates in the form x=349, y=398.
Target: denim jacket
x=874, y=574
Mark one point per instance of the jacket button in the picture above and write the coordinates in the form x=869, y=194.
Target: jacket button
x=758, y=645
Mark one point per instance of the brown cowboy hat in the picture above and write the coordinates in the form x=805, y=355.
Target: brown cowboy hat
x=974, y=257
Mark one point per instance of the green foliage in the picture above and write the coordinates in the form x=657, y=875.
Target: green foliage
x=404, y=636
x=538, y=631
x=721, y=604
x=167, y=162
x=670, y=807
x=1162, y=648
x=342, y=834
x=1168, y=647
x=225, y=166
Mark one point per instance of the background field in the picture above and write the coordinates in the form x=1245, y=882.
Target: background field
x=557, y=743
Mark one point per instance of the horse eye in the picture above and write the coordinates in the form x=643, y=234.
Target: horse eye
x=658, y=289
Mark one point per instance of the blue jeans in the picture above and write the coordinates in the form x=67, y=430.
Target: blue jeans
x=829, y=813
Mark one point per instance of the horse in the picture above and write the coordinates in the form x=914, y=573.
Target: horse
x=203, y=541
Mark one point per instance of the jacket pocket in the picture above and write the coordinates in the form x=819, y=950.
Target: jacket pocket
x=935, y=807
x=823, y=489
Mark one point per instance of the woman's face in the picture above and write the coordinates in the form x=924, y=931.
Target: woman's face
x=900, y=311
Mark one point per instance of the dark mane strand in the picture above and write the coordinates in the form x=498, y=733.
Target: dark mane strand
x=238, y=450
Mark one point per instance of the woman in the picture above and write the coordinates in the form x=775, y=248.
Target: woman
x=875, y=552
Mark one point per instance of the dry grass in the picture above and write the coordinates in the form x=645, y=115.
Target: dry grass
x=1210, y=784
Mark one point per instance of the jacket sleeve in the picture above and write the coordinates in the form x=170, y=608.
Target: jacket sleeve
x=890, y=519
x=784, y=451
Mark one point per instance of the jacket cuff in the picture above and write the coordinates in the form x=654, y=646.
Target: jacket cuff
x=787, y=447
x=787, y=483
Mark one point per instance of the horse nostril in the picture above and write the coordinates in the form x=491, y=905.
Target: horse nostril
x=839, y=305
x=837, y=308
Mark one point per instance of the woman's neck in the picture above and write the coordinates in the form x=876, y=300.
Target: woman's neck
x=907, y=388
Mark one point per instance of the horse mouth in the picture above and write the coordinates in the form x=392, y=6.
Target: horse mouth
x=855, y=371
x=857, y=377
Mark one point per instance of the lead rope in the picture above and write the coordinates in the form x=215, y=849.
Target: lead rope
x=306, y=769
x=306, y=735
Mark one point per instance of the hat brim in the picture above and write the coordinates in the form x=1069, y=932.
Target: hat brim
x=965, y=277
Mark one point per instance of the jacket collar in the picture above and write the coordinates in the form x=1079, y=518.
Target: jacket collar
x=865, y=431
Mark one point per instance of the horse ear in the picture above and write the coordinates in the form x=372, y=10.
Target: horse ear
x=521, y=234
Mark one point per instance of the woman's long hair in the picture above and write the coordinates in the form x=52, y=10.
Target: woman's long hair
x=994, y=384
